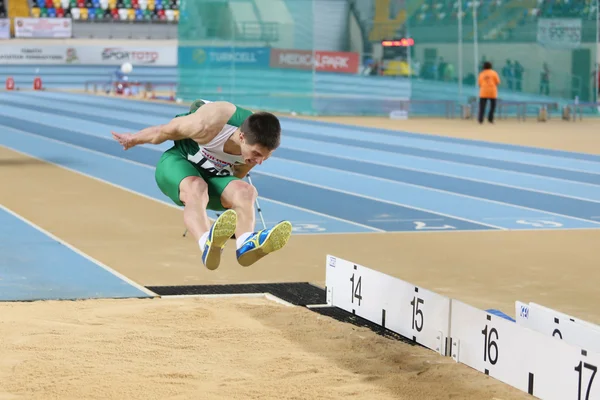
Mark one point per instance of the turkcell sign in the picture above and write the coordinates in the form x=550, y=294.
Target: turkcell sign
x=224, y=56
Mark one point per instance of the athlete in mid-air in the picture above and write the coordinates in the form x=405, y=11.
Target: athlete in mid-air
x=216, y=144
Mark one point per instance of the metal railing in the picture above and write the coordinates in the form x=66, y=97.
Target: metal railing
x=96, y=29
x=140, y=89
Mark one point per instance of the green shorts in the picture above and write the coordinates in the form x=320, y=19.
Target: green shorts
x=172, y=168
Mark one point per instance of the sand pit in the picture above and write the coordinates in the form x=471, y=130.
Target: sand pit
x=242, y=348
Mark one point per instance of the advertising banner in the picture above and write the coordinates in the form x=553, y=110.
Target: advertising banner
x=195, y=56
x=4, y=28
x=33, y=54
x=43, y=27
x=117, y=55
x=88, y=55
x=559, y=33
x=330, y=61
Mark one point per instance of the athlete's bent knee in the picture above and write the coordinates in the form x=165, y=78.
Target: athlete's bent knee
x=239, y=194
x=193, y=189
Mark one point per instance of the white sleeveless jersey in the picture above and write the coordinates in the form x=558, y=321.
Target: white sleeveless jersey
x=210, y=157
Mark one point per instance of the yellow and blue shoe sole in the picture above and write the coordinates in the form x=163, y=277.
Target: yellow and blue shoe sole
x=222, y=230
x=275, y=240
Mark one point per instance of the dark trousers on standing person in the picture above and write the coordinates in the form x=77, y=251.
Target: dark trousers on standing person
x=482, y=105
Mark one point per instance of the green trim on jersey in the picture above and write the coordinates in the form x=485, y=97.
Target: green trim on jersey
x=239, y=116
x=237, y=119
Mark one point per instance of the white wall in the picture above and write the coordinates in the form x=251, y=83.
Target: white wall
x=331, y=24
x=355, y=36
x=276, y=11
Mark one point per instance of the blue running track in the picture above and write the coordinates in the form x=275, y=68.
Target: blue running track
x=329, y=178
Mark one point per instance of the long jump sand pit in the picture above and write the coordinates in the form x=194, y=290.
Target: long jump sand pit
x=216, y=348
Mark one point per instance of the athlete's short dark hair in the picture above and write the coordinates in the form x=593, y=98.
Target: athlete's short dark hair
x=262, y=128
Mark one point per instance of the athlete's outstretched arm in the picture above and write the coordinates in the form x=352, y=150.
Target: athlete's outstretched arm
x=153, y=134
x=200, y=126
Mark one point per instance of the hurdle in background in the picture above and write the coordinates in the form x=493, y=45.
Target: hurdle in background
x=531, y=353
x=10, y=84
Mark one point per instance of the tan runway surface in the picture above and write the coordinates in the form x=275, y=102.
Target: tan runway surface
x=193, y=348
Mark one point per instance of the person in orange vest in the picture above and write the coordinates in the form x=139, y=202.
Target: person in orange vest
x=488, y=90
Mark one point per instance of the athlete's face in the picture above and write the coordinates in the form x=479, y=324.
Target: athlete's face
x=254, y=154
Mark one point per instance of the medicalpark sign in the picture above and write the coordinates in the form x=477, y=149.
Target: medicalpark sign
x=330, y=61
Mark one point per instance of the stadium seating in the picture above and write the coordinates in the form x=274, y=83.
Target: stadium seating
x=563, y=8
x=446, y=11
x=505, y=15
x=434, y=12
x=498, y=20
x=103, y=10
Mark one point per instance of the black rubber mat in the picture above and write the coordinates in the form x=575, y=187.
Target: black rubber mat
x=345, y=316
x=296, y=293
